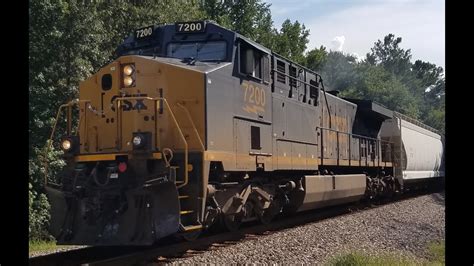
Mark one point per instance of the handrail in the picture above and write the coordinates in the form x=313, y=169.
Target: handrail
x=186, y=177
x=119, y=99
x=416, y=122
x=297, y=79
x=377, y=141
x=290, y=62
x=49, y=141
x=117, y=104
x=355, y=135
x=192, y=123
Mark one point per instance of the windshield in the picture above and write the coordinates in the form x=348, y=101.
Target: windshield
x=202, y=51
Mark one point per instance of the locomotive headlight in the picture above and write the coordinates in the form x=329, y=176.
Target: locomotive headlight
x=128, y=74
x=127, y=81
x=137, y=140
x=66, y=144
x=128, y=70
x=70, y=145
x=141, y=141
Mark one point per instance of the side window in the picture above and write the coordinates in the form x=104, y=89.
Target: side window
x=255, y=138
x=253, y=62
x=257, y=71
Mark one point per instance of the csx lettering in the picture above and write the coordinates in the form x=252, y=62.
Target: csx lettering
x=127, y=105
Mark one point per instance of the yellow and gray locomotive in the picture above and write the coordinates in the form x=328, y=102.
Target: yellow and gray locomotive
x=194, y=125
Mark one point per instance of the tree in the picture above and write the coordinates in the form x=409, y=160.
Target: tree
x=423, y=80
x=291, y=41
x=377, y=84
x=251, y=18
x=427, y=72
x=390, y=55
x=218, y=11
x=316, y=58
x=338, y=71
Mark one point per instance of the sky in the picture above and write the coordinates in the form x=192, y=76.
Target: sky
x=353, y=26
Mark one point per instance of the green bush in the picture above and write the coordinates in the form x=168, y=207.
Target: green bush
x=38, y=215
x=38, y=202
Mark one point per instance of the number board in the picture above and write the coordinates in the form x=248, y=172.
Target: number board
x=190, y=27
x=144, y=33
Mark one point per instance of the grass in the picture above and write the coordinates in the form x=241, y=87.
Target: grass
x=36, y=246
x=46, y=246
x=359, y=259
x=436, y=251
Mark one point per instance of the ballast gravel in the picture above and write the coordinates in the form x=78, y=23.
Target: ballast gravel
x=404, y=228
x=57, y=250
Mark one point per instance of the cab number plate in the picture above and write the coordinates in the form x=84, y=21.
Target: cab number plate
x=190, y=27
x=143, y=33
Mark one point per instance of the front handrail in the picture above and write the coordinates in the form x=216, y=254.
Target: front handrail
x=156, y=99
x=69, y=105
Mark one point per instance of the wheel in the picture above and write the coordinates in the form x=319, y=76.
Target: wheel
x=232, y=222
x=266, y=216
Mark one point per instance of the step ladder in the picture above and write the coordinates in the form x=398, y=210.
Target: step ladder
x=183, y=198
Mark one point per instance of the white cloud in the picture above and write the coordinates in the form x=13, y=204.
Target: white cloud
x=420, y=24
x=337, y=43
x=358, y=57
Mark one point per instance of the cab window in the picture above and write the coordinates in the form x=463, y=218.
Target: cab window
x=254, y=63
x=202, y=51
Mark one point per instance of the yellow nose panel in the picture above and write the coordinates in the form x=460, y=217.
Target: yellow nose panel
x=167, y=101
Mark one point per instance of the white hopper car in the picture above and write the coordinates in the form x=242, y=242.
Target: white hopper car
x=419, y=149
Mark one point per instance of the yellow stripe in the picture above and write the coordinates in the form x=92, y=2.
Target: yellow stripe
x=285, y=161
x=109, y=157
x=98, y=157
x=157, y=155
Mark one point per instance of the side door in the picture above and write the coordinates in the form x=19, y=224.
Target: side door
x=253, y=110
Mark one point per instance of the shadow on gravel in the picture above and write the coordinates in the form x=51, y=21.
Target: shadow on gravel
x=439, y=198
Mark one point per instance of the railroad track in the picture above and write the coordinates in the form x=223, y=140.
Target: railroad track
x=169, y=249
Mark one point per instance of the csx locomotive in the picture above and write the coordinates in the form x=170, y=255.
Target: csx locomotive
x=194, y=125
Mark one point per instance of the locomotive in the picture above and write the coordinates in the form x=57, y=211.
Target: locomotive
x=193, y=125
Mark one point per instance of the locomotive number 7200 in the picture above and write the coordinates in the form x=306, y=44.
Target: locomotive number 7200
x=143, y=33
x=254, y=94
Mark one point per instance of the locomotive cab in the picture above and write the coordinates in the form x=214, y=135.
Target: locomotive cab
x=140, y=138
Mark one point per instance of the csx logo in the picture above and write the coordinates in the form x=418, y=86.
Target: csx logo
x=126, y=105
